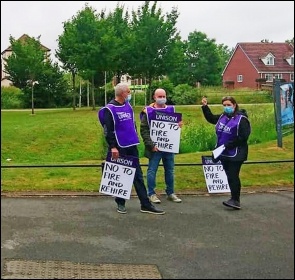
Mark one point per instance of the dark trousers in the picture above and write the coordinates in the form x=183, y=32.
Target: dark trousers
x=232, y=171
x=138, y=181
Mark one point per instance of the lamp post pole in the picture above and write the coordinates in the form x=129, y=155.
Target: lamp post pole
x=32, y=98
x=33, y=83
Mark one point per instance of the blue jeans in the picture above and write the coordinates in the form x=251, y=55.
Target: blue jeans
x=168, y=163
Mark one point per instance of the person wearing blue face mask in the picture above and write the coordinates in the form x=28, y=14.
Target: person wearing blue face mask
x=153, y=153
x=232, y=130
x=117, y=120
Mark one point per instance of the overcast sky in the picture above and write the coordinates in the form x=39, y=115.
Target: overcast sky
x=228, y=22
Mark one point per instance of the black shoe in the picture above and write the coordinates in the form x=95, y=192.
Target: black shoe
x=232, y=203
x=121, y=209
x=152, y=210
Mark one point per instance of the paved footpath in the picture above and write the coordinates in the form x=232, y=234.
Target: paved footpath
x=196, y=239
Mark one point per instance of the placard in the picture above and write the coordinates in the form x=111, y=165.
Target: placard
x=287, y=104
x=165, y=131
x=117, y=176
x=216, y=179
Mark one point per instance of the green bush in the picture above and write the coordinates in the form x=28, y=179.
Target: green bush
x=11, y=98
x=184, y=95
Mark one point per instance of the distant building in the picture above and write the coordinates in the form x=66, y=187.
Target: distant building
x=7, y=52
x=254, y=64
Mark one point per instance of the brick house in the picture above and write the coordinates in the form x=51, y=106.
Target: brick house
x=254, y=64
x=7, y=52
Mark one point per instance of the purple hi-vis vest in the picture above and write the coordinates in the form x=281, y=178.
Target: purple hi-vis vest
x=124, y=125
x=226, y=130
x=150, y=110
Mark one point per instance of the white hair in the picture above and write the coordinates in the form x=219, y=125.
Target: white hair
x=120, y=88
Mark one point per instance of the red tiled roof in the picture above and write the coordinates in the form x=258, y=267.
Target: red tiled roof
x=280, y=51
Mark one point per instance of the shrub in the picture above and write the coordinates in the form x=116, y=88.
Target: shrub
x=11, y=98
x=184, y=95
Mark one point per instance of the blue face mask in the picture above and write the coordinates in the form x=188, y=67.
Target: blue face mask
x=228, y=109
x=128, y=98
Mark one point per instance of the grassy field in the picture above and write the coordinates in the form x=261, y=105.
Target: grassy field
x=67, y=137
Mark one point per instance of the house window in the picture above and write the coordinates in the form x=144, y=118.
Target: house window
x=278, y=76
x=292, y=60
x=240, y=78
x=270, y=60
x=292, y=77
x=268, y=77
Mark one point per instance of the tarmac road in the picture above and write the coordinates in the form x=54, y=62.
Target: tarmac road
x=196, y=239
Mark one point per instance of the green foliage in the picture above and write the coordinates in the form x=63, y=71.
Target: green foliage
x=32, y=72
x=195, y=137
x=11, y=98
x=64, y=136
x=243, y=96
x=52, y=90
x=26, y=62
x=184, y=95
x=164, y=84
x=204, y=62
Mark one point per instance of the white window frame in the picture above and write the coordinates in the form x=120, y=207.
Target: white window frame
x=270, y=60
x=292, y=77
x=239, y=78
x=268, y=77
x=278, y=76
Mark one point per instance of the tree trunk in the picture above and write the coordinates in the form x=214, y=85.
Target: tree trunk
x=73, y=89
x=92, y=90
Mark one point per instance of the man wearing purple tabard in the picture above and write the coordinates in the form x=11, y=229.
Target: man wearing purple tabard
x=117, y=119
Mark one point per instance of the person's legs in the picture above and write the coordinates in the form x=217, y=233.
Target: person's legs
x=120, y=200
x=152, y=172
x=232, y=171
x=168, y=163
x=140, y=188
x=138, y=182
x=146, y=205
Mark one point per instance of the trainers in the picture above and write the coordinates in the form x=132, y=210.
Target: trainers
x=152, y=210
x=173, y=197
x=232, y=203
x=153, y=198
x=121, y=209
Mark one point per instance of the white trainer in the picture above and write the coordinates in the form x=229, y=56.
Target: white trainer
x=154, y=198
x=173, y=197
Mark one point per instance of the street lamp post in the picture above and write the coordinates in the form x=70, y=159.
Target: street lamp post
x=33, y=83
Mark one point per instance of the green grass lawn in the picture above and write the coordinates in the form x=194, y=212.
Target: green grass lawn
x=67, y=137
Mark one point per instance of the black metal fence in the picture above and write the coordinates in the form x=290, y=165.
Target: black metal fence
x=102, y=164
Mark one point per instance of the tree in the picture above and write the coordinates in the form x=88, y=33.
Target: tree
x=67, y=55
x=205, y=60
x=93, y=42
x=26, y=62
x=30, y=69
x=177, y=69
x=120, y=61
x=52, y=89
x=291, y=41
x=27, y=67
x=154, y=35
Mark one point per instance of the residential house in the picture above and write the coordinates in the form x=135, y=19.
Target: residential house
x=7, y=52
x=255, y=64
